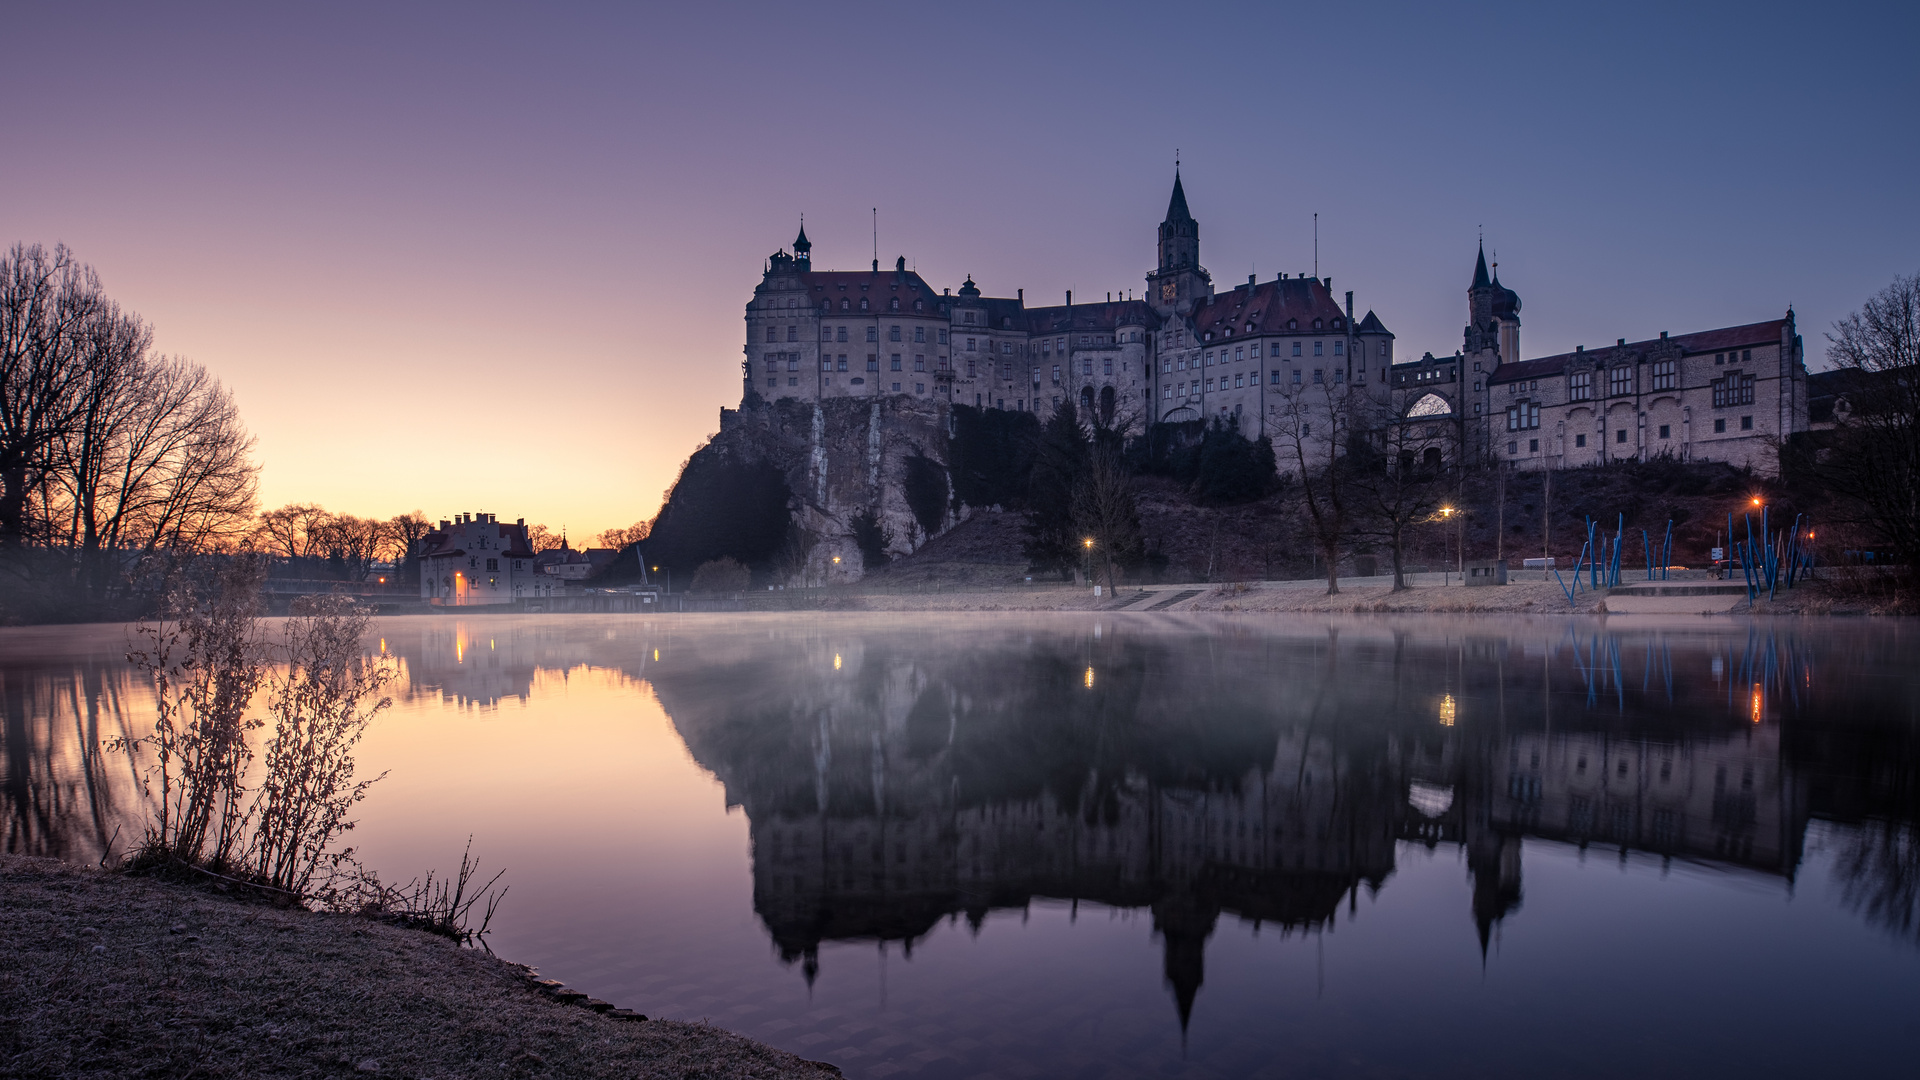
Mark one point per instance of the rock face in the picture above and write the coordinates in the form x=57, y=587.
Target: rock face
x=843, y=458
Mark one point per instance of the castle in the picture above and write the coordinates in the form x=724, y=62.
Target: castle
x=1252, y=355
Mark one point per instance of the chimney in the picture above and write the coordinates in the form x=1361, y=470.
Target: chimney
x=1620, y=341
x=900, y=265
x=1329, y=284
x=1250, y=280
x=522, y=522
x=1349, y=309
x=445, y=524
x=1069, y=297
x=1021, y=295
x=1663, y=335
x=1109, y=298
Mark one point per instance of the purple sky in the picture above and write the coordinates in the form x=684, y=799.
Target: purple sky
x=494, y=258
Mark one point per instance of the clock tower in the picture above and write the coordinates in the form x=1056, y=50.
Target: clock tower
x=1180, y=280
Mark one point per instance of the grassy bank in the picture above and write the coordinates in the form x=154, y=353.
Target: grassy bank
x=105, y=975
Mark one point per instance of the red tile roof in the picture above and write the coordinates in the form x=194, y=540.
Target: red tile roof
x=1107, y=315
x=881, y=286
x=1706, y=341
x=1268, y=307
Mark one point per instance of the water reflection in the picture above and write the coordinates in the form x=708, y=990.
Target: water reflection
x=901, y=774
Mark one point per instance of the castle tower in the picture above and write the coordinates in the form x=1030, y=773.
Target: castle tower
x=802, y=250
x=1179, y=280
x=1493, y=318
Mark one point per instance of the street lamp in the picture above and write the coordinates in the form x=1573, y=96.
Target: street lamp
x=1086, y=571
x=669, y=578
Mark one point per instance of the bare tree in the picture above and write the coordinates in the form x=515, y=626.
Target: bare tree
x=295, y=532
x=1875, y=460
x=1313, y=428
x=619, y=539
x=352, y=544
x=158, y=466
x=1402, y=485
x=52, y=312
x=1104, y=507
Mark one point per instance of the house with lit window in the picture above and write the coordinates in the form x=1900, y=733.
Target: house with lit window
x=475, y=560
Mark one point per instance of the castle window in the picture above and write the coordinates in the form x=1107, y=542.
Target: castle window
x=1239, y=354
x=873, y=333
x=1006, y=348
x=1273, y=377
x=919, y=361
x=863, y=303
x=1579, y=440
x=1339, y=348
x=1296, y=348
x=1620, y=435
x=1580, y=386
x=1666, y=431
x=773, y=382
x=1296, y=376
x=1746, y=355
x=1746, y=423
x=1733, y=389
x=943, y=335
x=1663, y=375
x=1316, y=324
x=1293, y=324
x=969, y=369
x=893, y=333
x=1056, y=374
x=1210, y=385
x=895, y=362
x=1107, y=365
x=793, y=361
x=1513, y=448
x=968, y=316
x=1533, y=446
x=841, y=335
x=843, y=361
x=1166, y=391
x=1006, y=371
x=893, y=304
x=1239, y=381
x=970, y=344
x=844, y=302
x=919, y=305
x=1086, y=365
x=1316, y=347
x=873, y=362
x=793, y=333
x=826, y=333
x=793, y=380
x=920, y=334
x=1620, y=380
x=1719, y=427
x=773, y=333
x=1339, y=375
x=1319, y=376
x=773, y=364
x=1719, y=358
x=826, y=363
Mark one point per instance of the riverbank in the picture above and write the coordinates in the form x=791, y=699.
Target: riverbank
x=104, y=975
x=1432, y=593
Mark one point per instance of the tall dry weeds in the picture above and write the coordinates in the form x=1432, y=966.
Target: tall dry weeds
x=207, y=659
x=321, y=703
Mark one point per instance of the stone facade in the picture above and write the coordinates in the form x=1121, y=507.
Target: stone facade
x=1183, y=353
x=474, y=560
x=1729, y=395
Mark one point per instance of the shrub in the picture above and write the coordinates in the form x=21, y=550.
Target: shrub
x=721, y=576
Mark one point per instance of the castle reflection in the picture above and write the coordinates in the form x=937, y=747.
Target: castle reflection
x=900, y=773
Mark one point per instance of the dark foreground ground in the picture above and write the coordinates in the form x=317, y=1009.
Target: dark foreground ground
x=103, y=975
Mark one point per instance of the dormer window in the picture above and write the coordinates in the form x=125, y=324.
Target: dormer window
x=1293, y=324
x=863, y=303
x=844, y=305
x=919, y=305
x=1316, y=324
x=894, y=304
x=1337, y=323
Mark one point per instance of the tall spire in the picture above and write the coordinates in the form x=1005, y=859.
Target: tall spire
x=803, y=247
x=1177, y=206
x=1480, y=278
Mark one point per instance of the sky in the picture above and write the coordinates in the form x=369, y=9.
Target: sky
x=495, y=257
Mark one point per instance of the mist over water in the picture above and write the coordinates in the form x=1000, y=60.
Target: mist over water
x=1117, y=846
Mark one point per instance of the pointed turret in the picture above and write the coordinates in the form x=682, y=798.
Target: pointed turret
x=803, y=249
x=1480, y=278
x=1179, y=280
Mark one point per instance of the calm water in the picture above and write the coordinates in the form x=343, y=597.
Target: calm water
x=1140, y=846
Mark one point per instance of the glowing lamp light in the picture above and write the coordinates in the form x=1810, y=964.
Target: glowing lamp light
x=383, y=581
x=656, y=656
x=1757, y=701
x=836, y=656
x=1089, y=678
x=1088, y=541
x=1756, y=500
x=836, y=560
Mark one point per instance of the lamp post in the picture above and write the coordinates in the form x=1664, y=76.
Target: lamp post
x=669, y=574
x=1086, y=566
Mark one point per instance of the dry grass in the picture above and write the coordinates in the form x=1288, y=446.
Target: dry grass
x=105, y=975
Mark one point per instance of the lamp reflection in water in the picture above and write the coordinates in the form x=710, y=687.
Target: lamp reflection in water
x=1447, y=710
